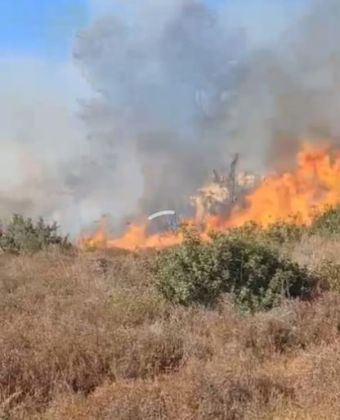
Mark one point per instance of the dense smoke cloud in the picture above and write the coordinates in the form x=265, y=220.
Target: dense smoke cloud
x=165, y=90
x=180, y=90
x=177, y=88
x=292, y=90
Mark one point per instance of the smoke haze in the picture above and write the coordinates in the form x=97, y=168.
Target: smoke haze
x=177, y=88
x=165, y=88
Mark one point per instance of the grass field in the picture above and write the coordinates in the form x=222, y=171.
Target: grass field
x=88, y=336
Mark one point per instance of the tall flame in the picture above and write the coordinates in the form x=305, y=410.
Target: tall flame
x=312, y=186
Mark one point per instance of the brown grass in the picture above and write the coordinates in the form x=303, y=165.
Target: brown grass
x=88, y=337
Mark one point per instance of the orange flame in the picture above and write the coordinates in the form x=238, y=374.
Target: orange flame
x=135, y=237
x=311, y=187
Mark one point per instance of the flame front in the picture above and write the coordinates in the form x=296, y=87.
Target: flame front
x=135, y=237
x=311, y=187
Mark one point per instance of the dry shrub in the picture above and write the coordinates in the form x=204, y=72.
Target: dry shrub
x=316, y=385
x=88, y=337
x=311, y=250
x=293, y=327
x=320, y=255
x=62, y=331
x=198, y=393
x=237, y=372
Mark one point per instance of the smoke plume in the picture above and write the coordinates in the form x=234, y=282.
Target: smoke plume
x=178, y=87
x=180, y=90
x=165, y=91
x=292, y=91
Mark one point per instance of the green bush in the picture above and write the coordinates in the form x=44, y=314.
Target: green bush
x=285, y=232
x=277, y=233
x=23, y=235
x=326, y=223
x=328, y=271
x=251, y=271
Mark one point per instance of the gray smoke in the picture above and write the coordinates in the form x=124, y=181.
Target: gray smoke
x=180, y=90
x=177, y=90
x=38, y=136
x=165, y=91
x=292, y=91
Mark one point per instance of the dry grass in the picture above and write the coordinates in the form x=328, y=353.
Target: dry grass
x=88, y=337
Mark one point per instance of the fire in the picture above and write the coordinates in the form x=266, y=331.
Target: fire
x=134, y=238
x=311, y=187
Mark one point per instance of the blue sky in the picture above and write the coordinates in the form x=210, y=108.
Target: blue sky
x=40, y=86
x=47, y=27
x=37, y=38
x=40, y=27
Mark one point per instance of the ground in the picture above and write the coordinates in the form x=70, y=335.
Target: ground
x=87, y=336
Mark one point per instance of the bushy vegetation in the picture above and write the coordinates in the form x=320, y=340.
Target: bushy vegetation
x=81, y=339
x=328, y=272
x=326, y=223
x=23, y=235
x=285, y=232
x=251, y=271
x=90, y=336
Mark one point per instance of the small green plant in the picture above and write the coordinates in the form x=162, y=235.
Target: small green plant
x=23, y=235
x=251, y=271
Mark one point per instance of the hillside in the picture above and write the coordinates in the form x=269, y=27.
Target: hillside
x=89, y=336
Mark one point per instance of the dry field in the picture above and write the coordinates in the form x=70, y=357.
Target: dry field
x=87, y=336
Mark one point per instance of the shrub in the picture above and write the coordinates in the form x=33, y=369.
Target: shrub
x=327, y=223
x=328, y=272
x=285, y=232
x=278, y=233
x=251, y=271
x=23, y=235
x=190, y=272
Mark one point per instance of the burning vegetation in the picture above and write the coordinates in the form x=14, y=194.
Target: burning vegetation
x=230, y=201
x=239, y=320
